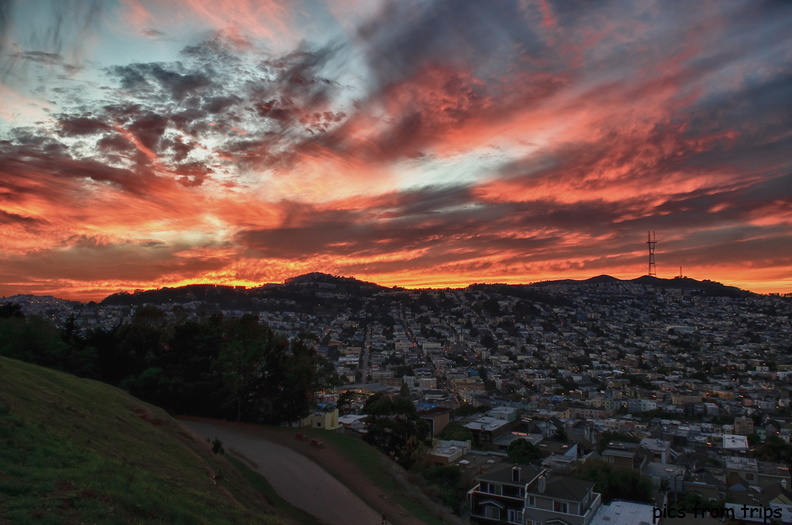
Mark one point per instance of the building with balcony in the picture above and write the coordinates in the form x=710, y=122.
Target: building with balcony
x=526, y=495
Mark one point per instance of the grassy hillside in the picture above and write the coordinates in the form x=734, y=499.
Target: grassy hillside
x=79, y=451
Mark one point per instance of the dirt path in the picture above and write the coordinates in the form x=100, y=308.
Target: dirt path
x=299, y=473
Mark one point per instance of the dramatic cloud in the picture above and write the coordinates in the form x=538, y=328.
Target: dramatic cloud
x=431, y=143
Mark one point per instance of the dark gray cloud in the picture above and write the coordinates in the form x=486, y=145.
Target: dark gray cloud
x=89, y=259
x=16, y=219
x=406, y=37
x=166, y=77
x=74, y=125
x=44, y=167
x=447, y=220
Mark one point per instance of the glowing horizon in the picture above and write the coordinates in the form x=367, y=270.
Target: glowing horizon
x=415, y=144
x=84, y=295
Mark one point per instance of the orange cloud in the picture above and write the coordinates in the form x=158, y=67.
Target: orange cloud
x=423, y=145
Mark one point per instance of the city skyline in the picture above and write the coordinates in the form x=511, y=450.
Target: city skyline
x=417, y=144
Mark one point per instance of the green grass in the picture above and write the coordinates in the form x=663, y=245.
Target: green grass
x=374, y=466
x=79, y=451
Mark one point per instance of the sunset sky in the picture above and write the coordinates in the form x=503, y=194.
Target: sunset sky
x=150, y=143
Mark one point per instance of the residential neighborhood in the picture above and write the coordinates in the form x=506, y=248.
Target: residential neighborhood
x=685, y=383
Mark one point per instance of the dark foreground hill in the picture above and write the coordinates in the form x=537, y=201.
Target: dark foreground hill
x=79, y=451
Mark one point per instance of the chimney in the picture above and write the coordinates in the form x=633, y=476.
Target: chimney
x=516, y=471
x=541, y=484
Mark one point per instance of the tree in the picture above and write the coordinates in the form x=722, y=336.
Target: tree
x=34, y=340
x=346, y=402
x=616, y=483
x=448, y=484
x=395, y=429
x=456, y=431
x=241, y=361
x=467, y=410
x=9, y=310
x=524, y=452
x=378, y=405
x=776, y=450
x=561, y=435
x=401, y=438
x=404, y=391
x=301, y=381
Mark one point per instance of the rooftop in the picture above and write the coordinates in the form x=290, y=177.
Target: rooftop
x=623, y=513
x=527, y=474
x=565, y=488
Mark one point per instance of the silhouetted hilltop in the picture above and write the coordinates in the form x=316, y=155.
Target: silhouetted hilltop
x=306, y=289
x=705, y=287
x=181, y=294
x=301, y=293
x=526, y=292
x=329, y=282
x=602, y=279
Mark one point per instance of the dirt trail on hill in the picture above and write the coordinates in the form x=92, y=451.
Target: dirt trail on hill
x=295, y=470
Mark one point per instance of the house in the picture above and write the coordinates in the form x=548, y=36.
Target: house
x=774, y=501
x=743, y=426
x=437, y=418
x=500, y=495
x=447, y=452
x=661, y=450
x=527, y=495
x=706, y=484
x=752, y=472
x=563, y=463
x=560, y=500
x=626, y=455
x=327, y=419
x=503, y=412
x=487, y=429
x=664, y=475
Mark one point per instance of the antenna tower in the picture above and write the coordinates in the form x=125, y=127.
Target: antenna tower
x=651, y=242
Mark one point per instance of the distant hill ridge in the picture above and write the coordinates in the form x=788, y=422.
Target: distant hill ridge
x=321, y=282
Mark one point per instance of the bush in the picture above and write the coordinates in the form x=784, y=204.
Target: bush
x=217, y=446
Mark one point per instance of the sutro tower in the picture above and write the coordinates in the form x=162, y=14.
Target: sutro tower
x=651, y=242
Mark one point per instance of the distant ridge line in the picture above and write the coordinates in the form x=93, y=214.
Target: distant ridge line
x=351, y=285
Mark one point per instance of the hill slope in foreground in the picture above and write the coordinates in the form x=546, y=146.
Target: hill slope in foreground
x=78, y=451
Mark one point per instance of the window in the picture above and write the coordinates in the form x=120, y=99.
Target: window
x=515, y=516
x=492, y=488
x=532, y=501
x=492, y=512
x=559, y=506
